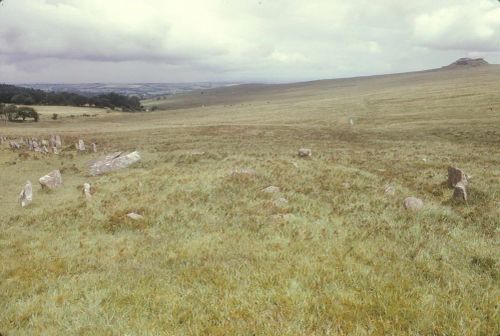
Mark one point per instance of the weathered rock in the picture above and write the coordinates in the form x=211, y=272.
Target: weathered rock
x=305, y=152
x=271, y=190
x=93, y=147
x=45, y=149
x=351, y=121
x=52, y=180
x=413, y=204
x=134, y=216
x=35, y=146
x=26, y=196
x=55, y=150
x=390, y=191
x=45, y=143
x=86, y=191
x=80, y=146
x=455, y=176
x=460, y=192
x=112, y=162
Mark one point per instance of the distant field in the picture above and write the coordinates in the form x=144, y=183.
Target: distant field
x=215, y=255
x=71, y=111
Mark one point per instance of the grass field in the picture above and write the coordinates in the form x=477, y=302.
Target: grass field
x=215, y=255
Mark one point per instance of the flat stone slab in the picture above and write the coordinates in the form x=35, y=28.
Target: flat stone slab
x=112, y=162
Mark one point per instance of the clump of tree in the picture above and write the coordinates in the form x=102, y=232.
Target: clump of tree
x=11, y=94
x=14, y=113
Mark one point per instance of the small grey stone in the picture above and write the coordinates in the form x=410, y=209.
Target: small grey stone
x=305, y=152
x=413, y=204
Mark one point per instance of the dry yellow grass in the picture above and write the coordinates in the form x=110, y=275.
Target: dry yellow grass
x=215, y=256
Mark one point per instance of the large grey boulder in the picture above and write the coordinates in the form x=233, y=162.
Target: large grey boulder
x=112, y=162
x=26, y=196
x=413, y=204
x=52, y=180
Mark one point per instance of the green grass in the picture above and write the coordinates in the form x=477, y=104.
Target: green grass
x=215, y=256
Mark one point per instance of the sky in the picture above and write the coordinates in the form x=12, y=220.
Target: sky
x=125, y=41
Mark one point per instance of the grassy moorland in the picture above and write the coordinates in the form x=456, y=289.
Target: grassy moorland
x=214, y=255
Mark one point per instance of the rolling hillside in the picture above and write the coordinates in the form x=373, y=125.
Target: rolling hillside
x=332, y=252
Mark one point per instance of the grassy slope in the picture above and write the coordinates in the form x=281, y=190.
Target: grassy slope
x=215, y=256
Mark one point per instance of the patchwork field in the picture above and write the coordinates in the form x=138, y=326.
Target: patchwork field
x=215, y=255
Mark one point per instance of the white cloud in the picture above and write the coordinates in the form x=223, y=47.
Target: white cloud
x=167, y=40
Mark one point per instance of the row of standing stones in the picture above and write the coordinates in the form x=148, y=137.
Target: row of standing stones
x=53, y=145
x=53, y=180
x=457, y=179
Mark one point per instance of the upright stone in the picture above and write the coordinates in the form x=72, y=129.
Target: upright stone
x=305, y=152
x=460, y=192
x=26, y=196
x=94, y=147
x=86, y=191
x=58, y=142
x=45, y=149
x=455, y=176
x=52, y=180
x=14, y=145
x=45, y=143
x=80, y=146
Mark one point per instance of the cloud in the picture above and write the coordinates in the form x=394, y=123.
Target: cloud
x=472, y=27
x=253, y=40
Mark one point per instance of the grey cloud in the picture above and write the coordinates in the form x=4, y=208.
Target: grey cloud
x=281, y=40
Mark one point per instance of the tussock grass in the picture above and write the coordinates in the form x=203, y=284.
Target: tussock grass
x=214, y=254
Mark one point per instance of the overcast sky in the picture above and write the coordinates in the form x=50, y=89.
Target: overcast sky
x=77, y=41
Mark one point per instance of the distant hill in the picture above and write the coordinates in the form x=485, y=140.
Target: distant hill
x=462, y=70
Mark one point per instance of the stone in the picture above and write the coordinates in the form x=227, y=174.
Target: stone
x=112, y=162
x=93, y=146
x=346, y=185
x=45, y=149
x=80, y=146
x=197, y=153
x=351, y=121
x=460, y=192
x=14, y=145
x=26, y=196
x=390, y=191
x=280, y=202
x=52, y=180
x=243, y=172
x=305, y=152
x=45, y=143
x=86, y=191
x=413, y=204
x=58, y=142
x=455, y=176
x=36, y=147
x=134, y=216
x=55, y=150
x=271, y=190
